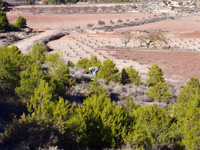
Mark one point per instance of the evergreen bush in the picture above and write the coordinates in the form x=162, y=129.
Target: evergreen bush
x=155, y=75
x=100, y=123
x=160, y=91
x=4, y=25
x=130, y=75
x=109, y=71
x=20, y=23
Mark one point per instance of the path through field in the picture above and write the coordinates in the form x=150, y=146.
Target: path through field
x=25, y=45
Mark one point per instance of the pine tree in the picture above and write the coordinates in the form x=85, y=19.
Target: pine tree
x=4, y=25
x=130, y=75
x=124, y=77
x=94, y=88
x=160, y=91
x=155, y=75
x=109, y=72
x=11, y=64
x=100, y=123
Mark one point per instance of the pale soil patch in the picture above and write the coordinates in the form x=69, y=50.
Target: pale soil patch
x=76, y=46
x=25, y=44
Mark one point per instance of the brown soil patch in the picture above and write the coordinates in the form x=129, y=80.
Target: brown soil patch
x=187, y=24
x=176, y=65
x=70, y=21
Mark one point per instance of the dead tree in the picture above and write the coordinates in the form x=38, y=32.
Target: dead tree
x=152, y=38
x=126, y=38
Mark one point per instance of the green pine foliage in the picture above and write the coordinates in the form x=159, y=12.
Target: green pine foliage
x=20, y=23
x=94, y=88
x=70, y=64
x=11, y=62
x=29, y=80
x=83, y=63
x=152, y=128
x=187, y=111
x=109, y=71
x=130, y=106
x=160, y=92
x=94, y=62
x=189, y=90
x=86, y=63
x=56, y=73
x=29, y=134
x=37, y=53
x=4, y=25
x=43, y=107
x=155, y=75
x=59, y=71
x=124, y=77
x=100, y=123
x=130, y=75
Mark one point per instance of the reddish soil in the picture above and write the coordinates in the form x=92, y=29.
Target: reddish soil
x=176, y=65
x=70, y=21
x=187, y=24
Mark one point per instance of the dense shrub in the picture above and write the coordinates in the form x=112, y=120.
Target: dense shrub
x=29, y=134
x=192, y=87
x=98, y=122
x=94, y=88
x=11, y=64
x=37, y=53
x=4, y=25
x=83, y=63
x=56, y=73
x=86, y=63
x=187, y=111
x=130, y=75
x=43, y=107
x=101, y=123
x=70, y=64
x=155, y=75
x=60, y=72
x=100, y=22
x=152, y=129
x=29, y=80
x=109, y=71
x=160, y=91
x=20, y=23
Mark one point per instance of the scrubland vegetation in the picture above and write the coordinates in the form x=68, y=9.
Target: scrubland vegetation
x=6, y=26
x=38, y=84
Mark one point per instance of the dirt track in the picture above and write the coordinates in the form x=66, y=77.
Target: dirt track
x=25, y=45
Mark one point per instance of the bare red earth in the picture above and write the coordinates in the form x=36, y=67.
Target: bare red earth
x=176, y=65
